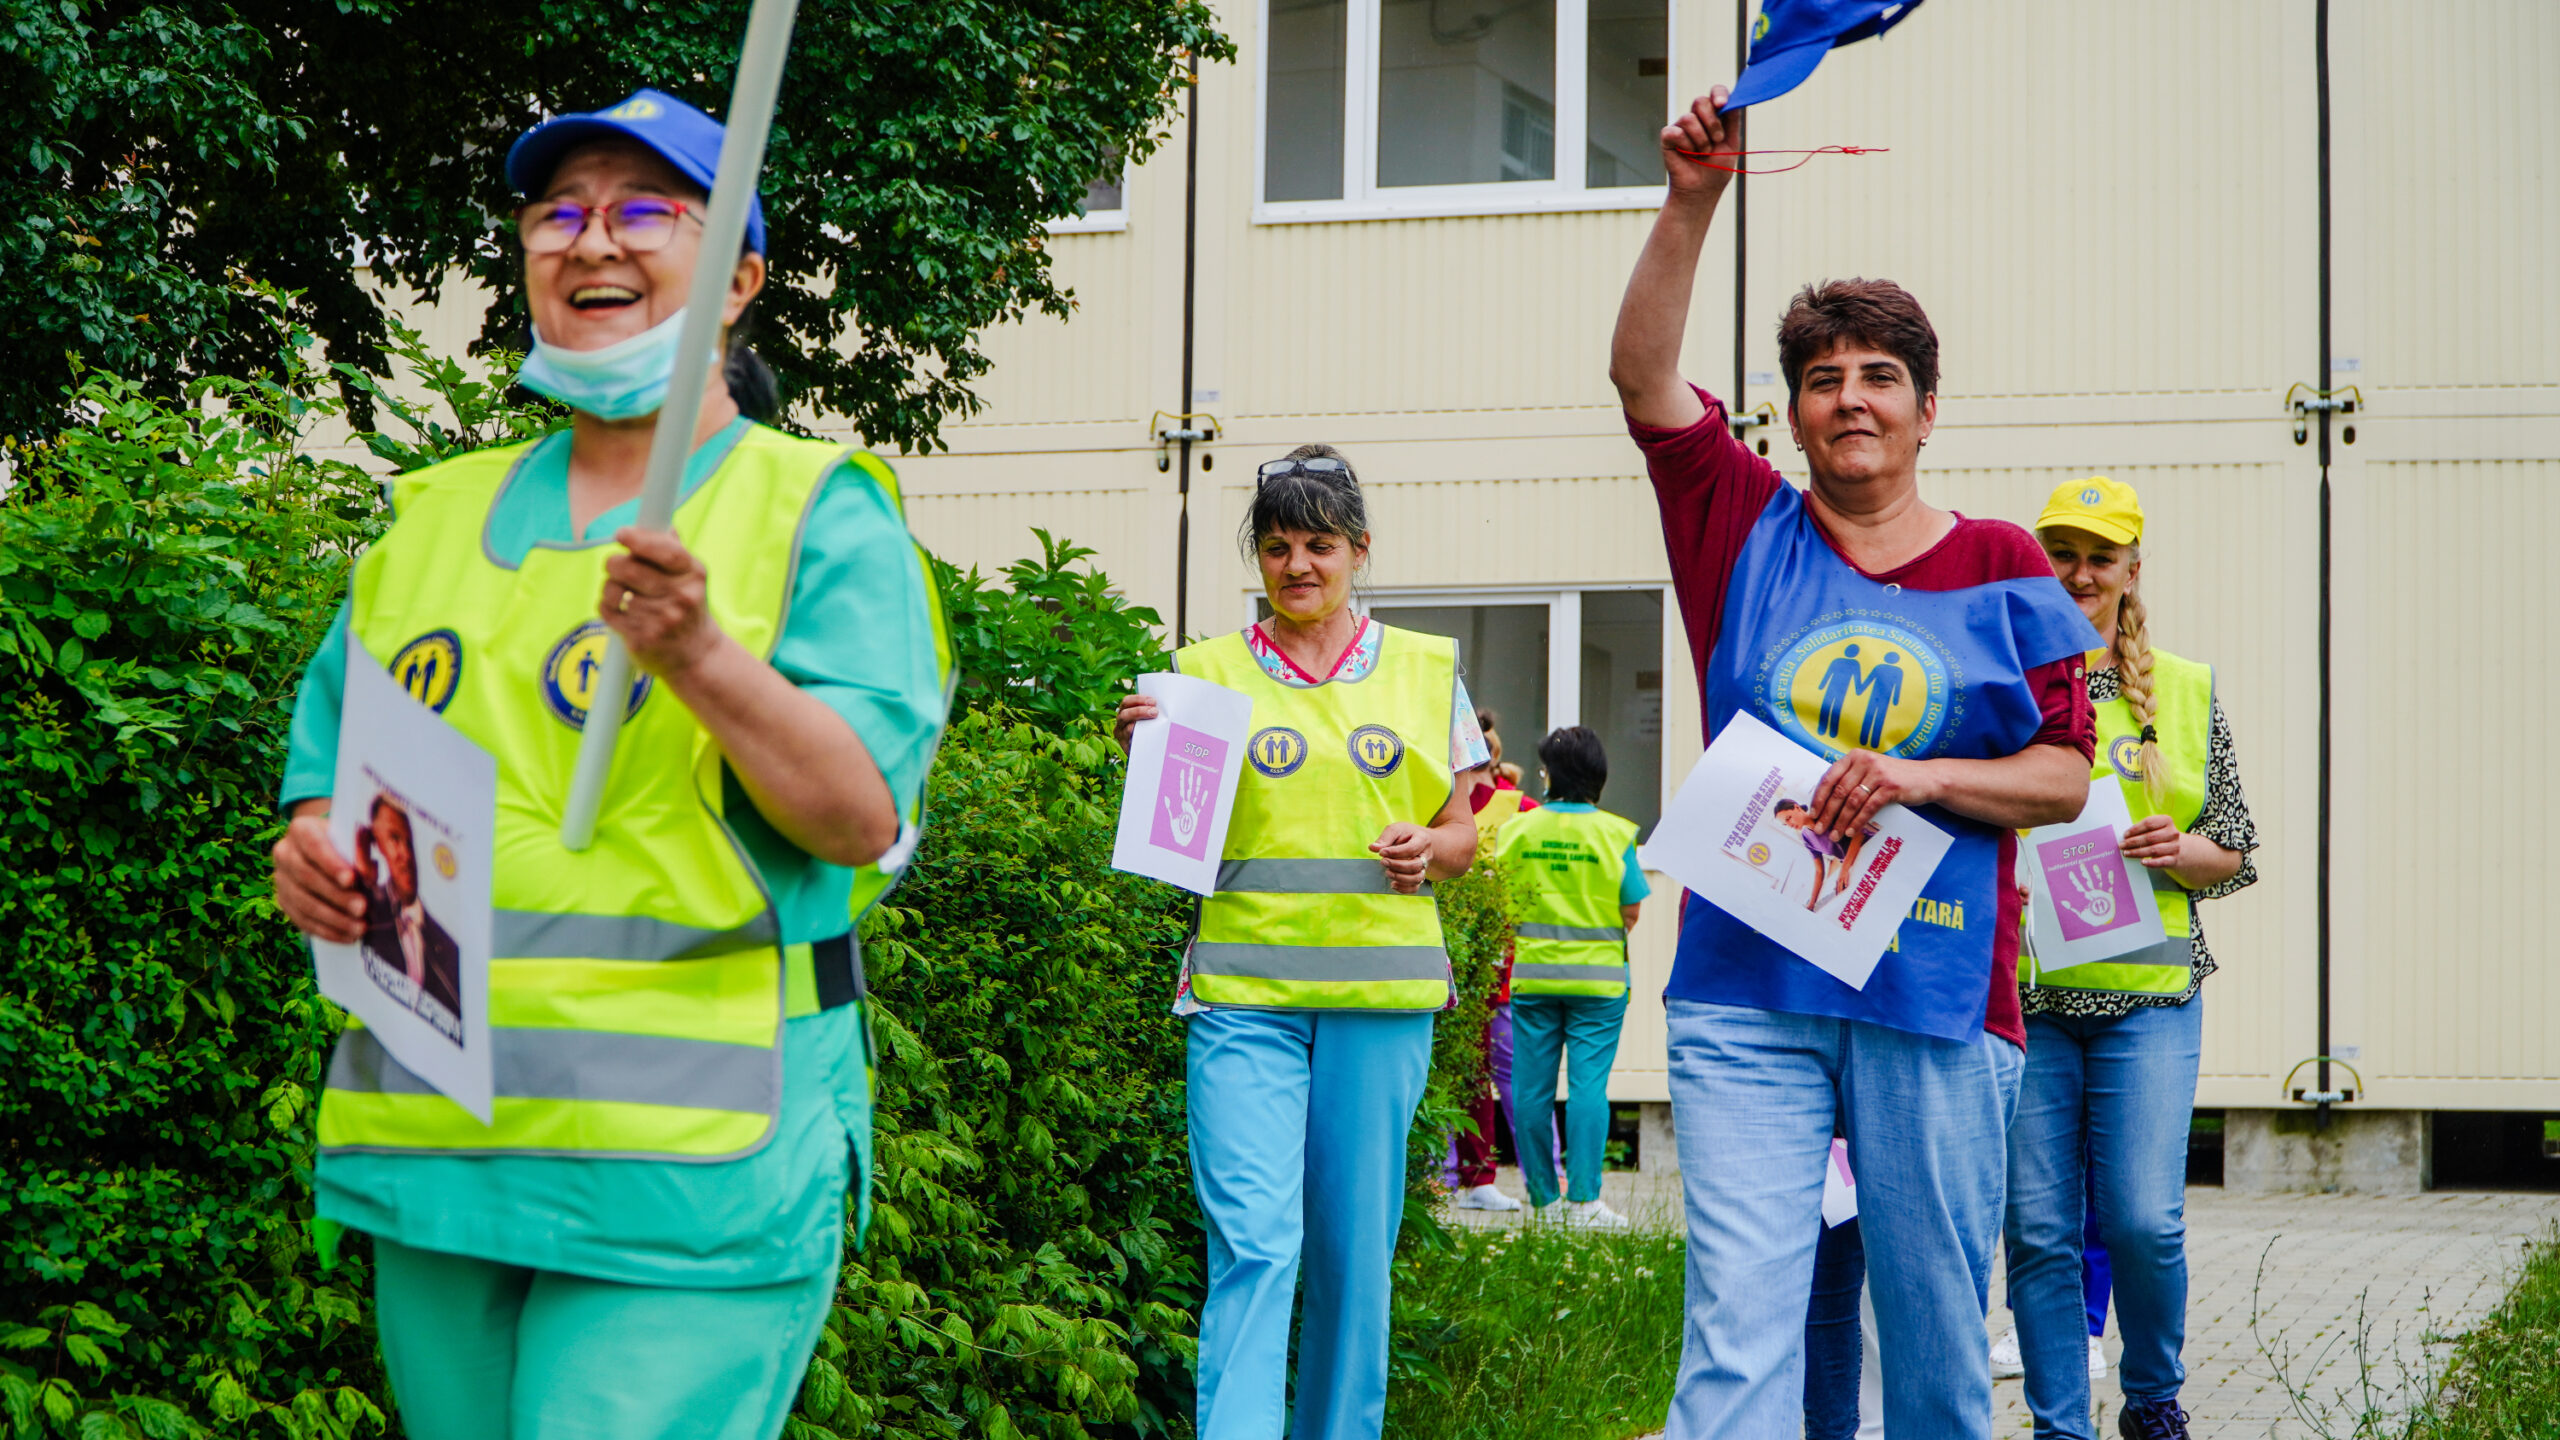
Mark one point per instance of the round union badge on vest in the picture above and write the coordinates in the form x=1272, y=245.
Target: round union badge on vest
x=1277, y=751
x=2124, y=754
x=1860, y=682
x=430, y=668
x=1377, y=750
x=569, y=675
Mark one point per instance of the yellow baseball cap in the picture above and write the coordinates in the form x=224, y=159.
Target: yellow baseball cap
x=2105, y=508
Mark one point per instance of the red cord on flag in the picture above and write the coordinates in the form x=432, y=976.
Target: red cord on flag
x=1710, y=157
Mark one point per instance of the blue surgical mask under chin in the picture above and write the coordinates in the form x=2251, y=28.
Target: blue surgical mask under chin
x=622, y=381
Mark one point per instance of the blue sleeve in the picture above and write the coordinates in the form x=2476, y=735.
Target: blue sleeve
x=860, y=633
x=1634, y=887
x=311, y=750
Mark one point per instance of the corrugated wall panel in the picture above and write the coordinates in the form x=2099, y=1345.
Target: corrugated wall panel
x=2087, y=199
x=2448, y=195
x=2443, y=768
x=1095, y=364
x=992, y=530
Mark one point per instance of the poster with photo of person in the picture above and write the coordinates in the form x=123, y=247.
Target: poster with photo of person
x=414, y=809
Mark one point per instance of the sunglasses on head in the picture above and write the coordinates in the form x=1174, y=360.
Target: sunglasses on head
x=1321, y=465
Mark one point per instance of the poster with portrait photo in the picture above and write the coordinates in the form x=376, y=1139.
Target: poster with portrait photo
x=414, y=809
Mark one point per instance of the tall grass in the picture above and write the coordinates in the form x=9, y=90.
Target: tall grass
x=2504, y=1382
x=1535, y=1333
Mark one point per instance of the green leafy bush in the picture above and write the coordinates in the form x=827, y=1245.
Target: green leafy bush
x=1053, y=644
x=164, y=571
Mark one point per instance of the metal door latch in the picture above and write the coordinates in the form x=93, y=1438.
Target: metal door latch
x=1198, y=426
x=2305, y=1096
x=1758, y=417
x=2305, y=402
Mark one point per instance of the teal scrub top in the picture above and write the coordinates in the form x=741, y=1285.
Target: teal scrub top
x=859, y=636
x=1633, y=887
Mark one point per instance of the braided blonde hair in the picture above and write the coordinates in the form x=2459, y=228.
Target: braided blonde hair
x=2133, y=671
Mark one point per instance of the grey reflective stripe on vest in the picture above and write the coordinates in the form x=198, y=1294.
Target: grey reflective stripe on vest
x=541, y=935
x=1345, y=963
x=1570, y=932
x=1306, y=877
x=1578, y=973
x=584, y=1065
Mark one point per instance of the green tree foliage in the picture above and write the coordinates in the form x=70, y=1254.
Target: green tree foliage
x=159, y=152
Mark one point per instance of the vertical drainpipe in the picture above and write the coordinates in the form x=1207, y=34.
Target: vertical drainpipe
x=1190, y=270
x=1741, y=205
x=2322, y=839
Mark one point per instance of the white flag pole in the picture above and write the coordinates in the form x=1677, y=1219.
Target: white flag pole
x=749, y=120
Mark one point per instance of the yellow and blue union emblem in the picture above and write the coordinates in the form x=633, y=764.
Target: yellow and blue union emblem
x=1277, y=751
x=1861, y=682
x=2124, y=755
x=569, y=675
x=430, y=668
x=1377, y=750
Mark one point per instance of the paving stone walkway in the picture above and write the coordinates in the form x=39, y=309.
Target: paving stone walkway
x=2352, y=1301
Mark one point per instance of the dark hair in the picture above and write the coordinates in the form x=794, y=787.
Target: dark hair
x=1318, y=503
x=1784, y=806
x=1577, y=766
x=1875, y=313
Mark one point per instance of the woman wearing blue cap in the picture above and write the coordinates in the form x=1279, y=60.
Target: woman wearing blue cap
x=645, y=1241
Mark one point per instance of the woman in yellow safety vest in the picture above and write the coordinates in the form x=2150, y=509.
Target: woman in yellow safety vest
x=1314, y=973
x=645, y=1240
x=2112, y=1047
x=1576, y=888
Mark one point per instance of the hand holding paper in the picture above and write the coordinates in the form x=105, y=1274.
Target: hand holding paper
x=1184, y=764
x=2085, y=902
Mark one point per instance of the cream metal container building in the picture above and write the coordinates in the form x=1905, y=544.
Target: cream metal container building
x=1405, y=229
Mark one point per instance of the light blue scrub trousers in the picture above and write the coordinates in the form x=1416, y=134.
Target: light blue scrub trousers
x=1582, y=1030
x=483, y=1351
x=1754, y=1094
x=1298, y=1127
x=2120, y=1092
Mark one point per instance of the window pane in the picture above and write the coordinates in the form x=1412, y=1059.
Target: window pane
x=1466, y=91
x=1302, y=124
x=1503, y=651
x=1102, y=192
x=1630, y=88
x=1622, y=695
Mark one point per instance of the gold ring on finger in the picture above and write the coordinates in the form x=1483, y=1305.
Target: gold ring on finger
x=625, y=606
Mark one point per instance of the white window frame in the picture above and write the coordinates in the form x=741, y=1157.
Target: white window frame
x=1564, y=640
x=1364, y=199
x=1099, y=222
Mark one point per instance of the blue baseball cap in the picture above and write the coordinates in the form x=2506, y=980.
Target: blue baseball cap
x=688, y=139
x=1792, y=36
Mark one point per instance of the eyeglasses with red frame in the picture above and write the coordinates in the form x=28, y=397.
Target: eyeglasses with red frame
x=638, y=223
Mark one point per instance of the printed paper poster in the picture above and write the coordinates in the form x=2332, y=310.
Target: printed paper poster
x=1839, y=1187
x=414, y=808
x=2086, y=901
x=1181, y=791
x=1740, y=835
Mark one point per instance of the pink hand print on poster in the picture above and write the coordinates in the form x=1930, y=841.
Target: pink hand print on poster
x=2085, y=875
x=1193, y=765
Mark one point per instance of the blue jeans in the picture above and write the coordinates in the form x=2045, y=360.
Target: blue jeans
x=1298, y=1123
x=1583, y=1031
x=2121, y=1092
x=1753, y=1097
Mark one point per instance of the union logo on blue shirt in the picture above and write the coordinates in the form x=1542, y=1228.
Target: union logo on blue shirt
x=569, y=675
x=1855, y=680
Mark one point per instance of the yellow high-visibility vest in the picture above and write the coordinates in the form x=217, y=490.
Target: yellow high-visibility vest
x=1564, y=870
x=2184, y=728
x=637, y=988
x=1303, y=918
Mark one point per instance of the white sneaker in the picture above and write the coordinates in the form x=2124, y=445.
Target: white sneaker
x=2097, y=1359
x=2006, y=1363
x=1485, y=1197
x=1592, y=1215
